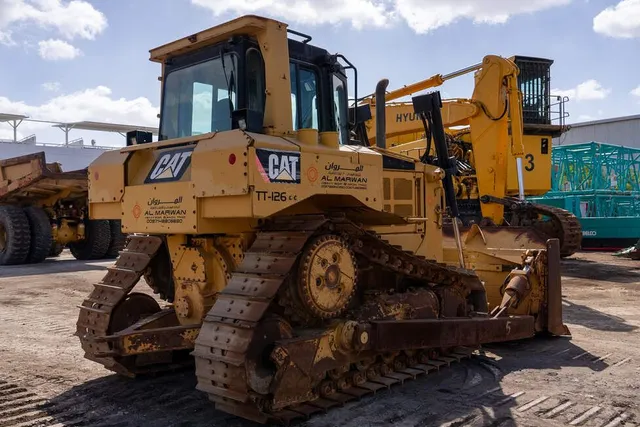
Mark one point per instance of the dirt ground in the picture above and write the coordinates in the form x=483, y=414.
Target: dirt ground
x=591, y=379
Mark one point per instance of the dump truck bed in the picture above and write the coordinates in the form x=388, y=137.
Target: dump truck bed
x=29, y=179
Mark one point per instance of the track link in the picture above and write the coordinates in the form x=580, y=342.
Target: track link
x=564, y=225
x=224, y=344
x=96, y=311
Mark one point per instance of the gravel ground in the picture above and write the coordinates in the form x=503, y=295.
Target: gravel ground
x=591, y=379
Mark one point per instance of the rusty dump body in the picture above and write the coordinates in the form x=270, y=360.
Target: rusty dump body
x=29, y=179
x=299, y=268
x=43, y=209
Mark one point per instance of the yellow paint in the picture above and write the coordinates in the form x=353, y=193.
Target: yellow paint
x=209, y=212
x=325, y=348
x=200, y=270
x=493, y=144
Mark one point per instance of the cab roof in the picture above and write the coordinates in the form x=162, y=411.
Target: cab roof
x=247, y=25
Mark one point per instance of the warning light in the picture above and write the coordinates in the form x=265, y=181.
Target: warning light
x=232, y=159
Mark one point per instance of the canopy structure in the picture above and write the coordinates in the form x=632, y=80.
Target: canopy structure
x=102, y=127
x=14, y=121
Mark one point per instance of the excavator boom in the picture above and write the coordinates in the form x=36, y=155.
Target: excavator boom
x=503, y=152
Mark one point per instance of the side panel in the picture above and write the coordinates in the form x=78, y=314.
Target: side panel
x=106, y=184
x=162, y=208
x=418, y=195
x=220, y=165
x=536, y=166
x=283, y=177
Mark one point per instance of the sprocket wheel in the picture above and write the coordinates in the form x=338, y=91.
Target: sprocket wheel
x=327, y=276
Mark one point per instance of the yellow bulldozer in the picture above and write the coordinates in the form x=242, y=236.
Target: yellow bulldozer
x=299, y=267
x=503, y=151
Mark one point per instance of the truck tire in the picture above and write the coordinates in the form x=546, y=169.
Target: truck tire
x=118, y=239
x=41, y=237
x=15, y=237
x=96, y=241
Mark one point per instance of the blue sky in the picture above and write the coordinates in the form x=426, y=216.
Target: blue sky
x=88, y=60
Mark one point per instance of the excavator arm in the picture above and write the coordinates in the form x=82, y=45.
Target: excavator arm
x=493, y=114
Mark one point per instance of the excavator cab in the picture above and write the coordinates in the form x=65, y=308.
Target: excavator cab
x=534, y=82
x=543, y=119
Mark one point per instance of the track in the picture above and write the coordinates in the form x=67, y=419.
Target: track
x=46, y=381
x=98, y=313
x=228, y=329
x=563, y=225
x=224, y=346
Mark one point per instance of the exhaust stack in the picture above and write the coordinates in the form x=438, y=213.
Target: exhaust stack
x=381, y=123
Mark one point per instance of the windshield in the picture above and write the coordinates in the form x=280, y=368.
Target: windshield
x=199, y=98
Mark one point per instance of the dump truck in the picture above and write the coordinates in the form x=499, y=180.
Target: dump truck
x=43, y=210
x=296, y=266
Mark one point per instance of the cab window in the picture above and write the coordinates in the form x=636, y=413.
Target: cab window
x=340, y=110
x=255, y=80
x=199, y=98
x=304, y=97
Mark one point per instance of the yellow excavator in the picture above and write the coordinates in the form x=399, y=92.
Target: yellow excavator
x=298, y=268
x=507, y=120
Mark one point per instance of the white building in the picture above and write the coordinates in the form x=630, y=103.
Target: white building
x=72, y=155
x=618, y=130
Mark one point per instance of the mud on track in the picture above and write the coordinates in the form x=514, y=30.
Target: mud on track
x=592, y=379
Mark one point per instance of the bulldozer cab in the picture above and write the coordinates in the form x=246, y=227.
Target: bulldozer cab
x=234, y=83
x=253, y=124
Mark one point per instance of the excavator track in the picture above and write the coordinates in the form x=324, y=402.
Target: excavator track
x=224, y=346
x=564, y=225
x=99, y=312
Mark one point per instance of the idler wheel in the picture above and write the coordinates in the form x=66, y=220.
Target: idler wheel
x=135, y=307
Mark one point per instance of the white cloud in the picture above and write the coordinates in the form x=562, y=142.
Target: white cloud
x=360, y=13
x=426, y=15
x=70, y=19
x=636, y=91
x=585, y=91
x=54, y=50
x=6, y=39
x=95, y=104
x=620, y=21
x=51, y=86
x=421, y=15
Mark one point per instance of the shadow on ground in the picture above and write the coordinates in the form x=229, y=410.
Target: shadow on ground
x=594, y=319
x=51, y=266
x=463, y=391
x=615, y=272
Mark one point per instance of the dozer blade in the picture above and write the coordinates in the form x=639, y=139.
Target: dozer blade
x=554, y=290
x=445, y=333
